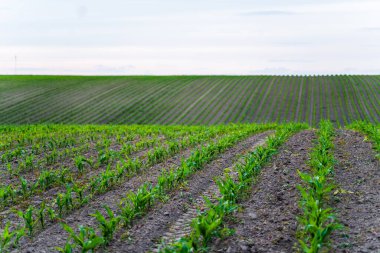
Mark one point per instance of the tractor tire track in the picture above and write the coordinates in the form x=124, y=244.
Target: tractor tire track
x=146, y=233
x=54, y=235
x=268, y=221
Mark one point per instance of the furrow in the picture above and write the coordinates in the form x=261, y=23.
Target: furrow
x=146, y=234
x=268, y=220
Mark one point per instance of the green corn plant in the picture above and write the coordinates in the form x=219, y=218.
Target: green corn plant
x=183, y=245
x=167, y=180
x=173, y=147
x=10, y=170
x=107, y=226
x=317, y=220
x=7, y=193
x=46, y=179
x=79, y=190
x=104, y=157
x=60, y=204
x=19, y=233
x=120, y=171
x=52, y=214
x=222, y=207
x=68, y=248
x=142, y=199
x=41, y=214
x=64, y=176
x=106, y=143
x=52, y=157
x=132, y=166
x=318, y=185
x=24, y=187
x=127, y=149
x=28, y=218
x=68, y=197
x=127, y=213
x=80, y=162
x=205, y=226
x=93, y=185
x=86, y=239
x=135, y=204
x=29, y=162
x=107, y=179
x=229, y=189
x=21, y=166
x=6, y=238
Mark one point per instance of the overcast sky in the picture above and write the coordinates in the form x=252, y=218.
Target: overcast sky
x=125, y=37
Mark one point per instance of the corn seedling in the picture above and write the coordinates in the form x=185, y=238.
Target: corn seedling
x=86, y=239
x=41, y=214
x=107, y=226
x=28, y=218
x=68, y=248
x=6, y=238
x=80, y=162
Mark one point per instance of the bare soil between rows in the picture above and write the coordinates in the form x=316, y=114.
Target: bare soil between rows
x=146, y=232
x=357, y=202
x=268, y=220
x=54, y=235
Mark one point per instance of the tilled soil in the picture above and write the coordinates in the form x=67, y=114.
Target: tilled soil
x=55, y=236
x=357, y=199
x=146, y=233
x=9, y=215
x=268, y=220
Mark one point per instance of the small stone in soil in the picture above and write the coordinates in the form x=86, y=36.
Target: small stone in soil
x=252, y=215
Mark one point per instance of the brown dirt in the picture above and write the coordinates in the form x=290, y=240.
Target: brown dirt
x=8, y=214
x=357, y=173
x=268, y=220
x=147, y=232
x=54, y=235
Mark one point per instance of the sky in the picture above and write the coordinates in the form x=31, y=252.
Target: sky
x=182, y=37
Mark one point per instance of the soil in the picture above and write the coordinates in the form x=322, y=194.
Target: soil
x=147, y=232
x=357, y=204
x=8, y=214
x=56, y=236
x=268, y=220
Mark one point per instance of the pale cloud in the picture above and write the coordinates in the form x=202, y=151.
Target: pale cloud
x=189, y=37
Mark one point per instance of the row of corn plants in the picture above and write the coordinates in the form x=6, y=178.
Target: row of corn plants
x=52, y=152
x=105, y=153
x=370, y=130
x=137, y=203
x=211, y=222
x=49, y=178
x=77, y=195
x=40, y=140
x=317, y=220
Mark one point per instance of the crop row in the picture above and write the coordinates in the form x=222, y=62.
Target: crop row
x=61, y=177
x=317, y=220
x=77, y=194
x=138, y=202
x=210, y=223
x=166, y=100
